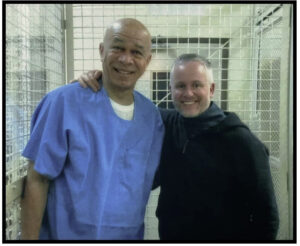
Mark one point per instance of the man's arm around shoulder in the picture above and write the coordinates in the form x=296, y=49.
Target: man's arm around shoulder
x=33, y=203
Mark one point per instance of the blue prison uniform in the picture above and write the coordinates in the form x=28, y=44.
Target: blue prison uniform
x=101, y=167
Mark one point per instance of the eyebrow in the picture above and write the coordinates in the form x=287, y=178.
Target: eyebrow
x=140, y=47
x=194, y=81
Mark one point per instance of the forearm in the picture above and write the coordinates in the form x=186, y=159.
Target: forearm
x=33, y=204
x=265, y=217
x=267, y=213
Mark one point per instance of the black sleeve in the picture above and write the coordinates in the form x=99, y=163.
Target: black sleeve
x=166, y=115
x=156, y=181
x=255, y=178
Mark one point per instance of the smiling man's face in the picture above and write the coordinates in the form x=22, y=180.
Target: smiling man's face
x=191, y=89
x=125, y=53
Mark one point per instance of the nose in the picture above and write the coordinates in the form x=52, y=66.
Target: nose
x=188, y=92
x=126, y=58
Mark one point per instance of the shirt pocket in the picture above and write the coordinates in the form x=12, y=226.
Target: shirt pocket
x=133, y=170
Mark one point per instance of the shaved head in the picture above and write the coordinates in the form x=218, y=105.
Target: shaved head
x=132, y=27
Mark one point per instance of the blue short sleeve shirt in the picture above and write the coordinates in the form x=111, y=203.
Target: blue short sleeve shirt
x=101, y=167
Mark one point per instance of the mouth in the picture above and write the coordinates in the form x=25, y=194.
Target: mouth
x=121, y=71
x=188, y=102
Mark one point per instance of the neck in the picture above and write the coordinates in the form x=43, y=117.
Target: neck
x=211, y=117
x=119, y=95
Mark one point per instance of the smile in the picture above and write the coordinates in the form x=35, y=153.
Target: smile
x=188, y=103
x=122, y=71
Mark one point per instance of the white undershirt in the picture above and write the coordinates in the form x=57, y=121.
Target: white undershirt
x=125, y=112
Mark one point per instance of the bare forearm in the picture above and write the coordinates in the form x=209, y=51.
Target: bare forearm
x=33, y=204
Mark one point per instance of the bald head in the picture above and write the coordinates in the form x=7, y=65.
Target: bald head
x=131, y=28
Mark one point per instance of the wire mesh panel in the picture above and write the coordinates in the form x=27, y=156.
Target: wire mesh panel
x=268, y=33
x=244, y=43
x=270, y=76
x=34, y=65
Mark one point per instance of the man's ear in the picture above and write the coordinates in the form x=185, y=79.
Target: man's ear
x=149, y=59
x=212, y=89
x=101, y=51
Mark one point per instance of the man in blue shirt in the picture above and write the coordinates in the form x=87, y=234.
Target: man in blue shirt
x=92, y=164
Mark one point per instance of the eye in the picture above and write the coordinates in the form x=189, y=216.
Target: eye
x=136, y=52
x=180, y=86
x=197, y=85
x=117, y=48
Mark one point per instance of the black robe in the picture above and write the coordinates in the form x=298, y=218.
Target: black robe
x=215, y=180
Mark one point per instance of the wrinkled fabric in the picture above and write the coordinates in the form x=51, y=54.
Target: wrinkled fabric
x=101, y=167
